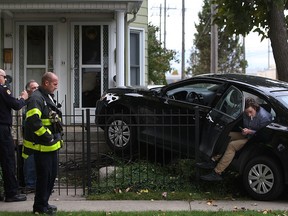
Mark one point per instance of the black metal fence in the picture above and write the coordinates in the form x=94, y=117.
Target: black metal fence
x=88, y=165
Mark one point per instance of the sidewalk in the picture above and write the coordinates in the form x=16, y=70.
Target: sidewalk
x=70, y=203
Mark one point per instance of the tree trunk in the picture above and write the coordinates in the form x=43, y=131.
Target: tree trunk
x=278, y=37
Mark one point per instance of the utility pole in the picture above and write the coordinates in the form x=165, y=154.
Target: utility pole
x=165, y=10
x=244, y=52
x=160, y=26
x=183, y=41
x=214, y=42
x=269, y=65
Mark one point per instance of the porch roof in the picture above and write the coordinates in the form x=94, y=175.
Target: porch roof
x=129, y=6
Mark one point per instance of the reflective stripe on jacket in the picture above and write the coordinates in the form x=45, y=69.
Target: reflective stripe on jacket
x=38, y=147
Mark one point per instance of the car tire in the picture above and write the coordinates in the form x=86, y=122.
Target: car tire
x=119, y=133
x=263, y=179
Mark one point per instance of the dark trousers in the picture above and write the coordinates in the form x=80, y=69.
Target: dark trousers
x=46, y=171
x=30, y=172
x=7, y=159
x=20, y=164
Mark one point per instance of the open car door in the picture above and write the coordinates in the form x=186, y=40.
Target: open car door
x=219, y=122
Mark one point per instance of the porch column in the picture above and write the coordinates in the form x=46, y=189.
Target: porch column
x=1, y=39
x=120, y=54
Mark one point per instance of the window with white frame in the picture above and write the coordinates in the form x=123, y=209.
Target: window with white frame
x=136, y=56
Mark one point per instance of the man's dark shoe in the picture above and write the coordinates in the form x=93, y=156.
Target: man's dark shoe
x=45, y=211
x=206, y=165
x=16, y=198
x=213, y=176
x=53, y=207
x=28, y=190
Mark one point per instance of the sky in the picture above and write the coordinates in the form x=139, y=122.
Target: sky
x=256, y=51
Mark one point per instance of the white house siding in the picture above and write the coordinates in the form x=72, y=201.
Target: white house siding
x=141, y=23
x=62, y=14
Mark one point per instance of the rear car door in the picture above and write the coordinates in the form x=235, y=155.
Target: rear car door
x=219, y=122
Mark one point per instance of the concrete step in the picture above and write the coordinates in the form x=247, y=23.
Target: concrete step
x=77, y=133
x=75, y=142
x=78, y=147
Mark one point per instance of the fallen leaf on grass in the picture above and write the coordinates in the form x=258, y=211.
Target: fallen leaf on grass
x=128, y=189
x=164, y=195
x=117, y=190
x=210, y=202
x=144, y=191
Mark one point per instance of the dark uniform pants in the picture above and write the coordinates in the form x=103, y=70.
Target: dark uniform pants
x=46, y=171
x=7, y=159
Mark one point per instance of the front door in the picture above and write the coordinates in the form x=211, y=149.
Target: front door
x=90, y=64
x=35, y=52
x=219, y=121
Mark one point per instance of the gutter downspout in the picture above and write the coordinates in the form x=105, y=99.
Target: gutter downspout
x=133, y=18
x=120, y=41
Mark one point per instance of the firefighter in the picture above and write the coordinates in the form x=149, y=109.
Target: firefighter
x=42, y=137
x=7, y=148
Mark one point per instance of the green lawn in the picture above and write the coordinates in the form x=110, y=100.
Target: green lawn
x=179, y=186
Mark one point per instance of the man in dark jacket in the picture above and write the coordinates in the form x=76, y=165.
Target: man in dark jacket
x=28, y=164
x=7, y=148
x=42, y=137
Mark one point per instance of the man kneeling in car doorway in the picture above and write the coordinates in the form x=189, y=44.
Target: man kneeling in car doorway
x=255, y=118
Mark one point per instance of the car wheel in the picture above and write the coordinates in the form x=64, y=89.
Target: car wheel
x=263, y=179
x=119, y=133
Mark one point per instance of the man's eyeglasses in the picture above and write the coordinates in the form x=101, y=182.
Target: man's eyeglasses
x=3, y=76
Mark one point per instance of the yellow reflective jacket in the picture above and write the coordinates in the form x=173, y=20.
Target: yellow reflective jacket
x=39, y=131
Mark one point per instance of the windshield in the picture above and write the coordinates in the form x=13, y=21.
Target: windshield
x=283, y=99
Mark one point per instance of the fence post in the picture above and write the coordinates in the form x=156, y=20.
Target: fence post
x=197, y=140
x=88, y=128
x=83, y=152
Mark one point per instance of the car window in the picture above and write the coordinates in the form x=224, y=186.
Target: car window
x=231, y=102
x=200, y=92
x=283, y=98
x=263, y=103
